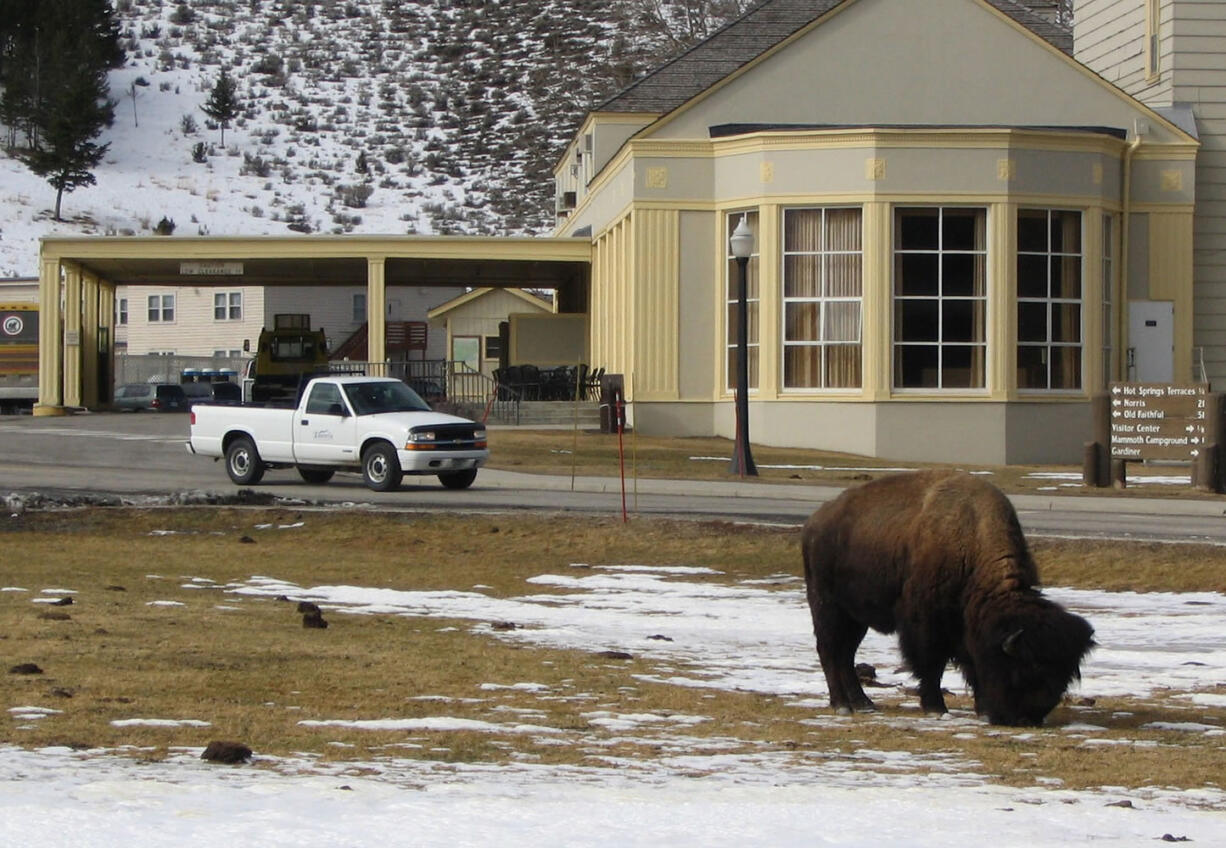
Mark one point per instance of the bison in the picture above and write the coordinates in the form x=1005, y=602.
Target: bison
x=939, y=557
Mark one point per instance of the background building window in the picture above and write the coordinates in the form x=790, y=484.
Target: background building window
x=822, y=285
x=161, y=308
x=359, y=308
x=1048, y=299
x=940, y=298
x=121, y=311
x=493, y=348
x=731, y=282
x=228, y=306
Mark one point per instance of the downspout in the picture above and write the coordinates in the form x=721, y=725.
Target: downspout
x=1125, y=227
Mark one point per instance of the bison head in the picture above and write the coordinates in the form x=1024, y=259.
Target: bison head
x=1027, y=661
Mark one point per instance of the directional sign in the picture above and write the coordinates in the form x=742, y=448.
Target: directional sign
x=1158, y=420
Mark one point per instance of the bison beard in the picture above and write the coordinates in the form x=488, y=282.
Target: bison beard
x=940, y=558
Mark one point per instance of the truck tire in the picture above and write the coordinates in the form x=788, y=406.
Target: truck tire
x=243, y=462
x=315, y=473
x=458, y=479
x=381, y=468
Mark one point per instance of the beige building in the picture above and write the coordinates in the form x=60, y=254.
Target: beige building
x=225, y=321
x=471, y=323
x=954, y=221
x=961, y=233
x=1171, y=55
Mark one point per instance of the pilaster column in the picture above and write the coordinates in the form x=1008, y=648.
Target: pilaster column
x=72, y=336
x=89, y=340
x=50, y=349
x=376, y=312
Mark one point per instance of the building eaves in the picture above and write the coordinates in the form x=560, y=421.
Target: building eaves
x=754, y=33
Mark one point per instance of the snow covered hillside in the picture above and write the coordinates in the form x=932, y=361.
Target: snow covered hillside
x=362, y=116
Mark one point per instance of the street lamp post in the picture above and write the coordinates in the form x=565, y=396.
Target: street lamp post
x=741, y=242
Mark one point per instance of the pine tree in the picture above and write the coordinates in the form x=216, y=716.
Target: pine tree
x=222, y=105
x=54, y=58
x=73, y=110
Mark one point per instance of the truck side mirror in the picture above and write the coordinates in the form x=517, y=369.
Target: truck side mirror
x=336, y=409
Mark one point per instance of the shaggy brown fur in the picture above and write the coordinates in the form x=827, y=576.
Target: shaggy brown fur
x=940, y=558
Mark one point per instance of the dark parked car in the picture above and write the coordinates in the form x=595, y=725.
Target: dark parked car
x=150, y=397
x=227, y=393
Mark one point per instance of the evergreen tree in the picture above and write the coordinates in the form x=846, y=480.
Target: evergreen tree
x=54, y=58
x=222, y=105
x=73, y=110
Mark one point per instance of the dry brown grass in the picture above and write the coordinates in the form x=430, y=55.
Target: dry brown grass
x=246, y=665
x=597, y=454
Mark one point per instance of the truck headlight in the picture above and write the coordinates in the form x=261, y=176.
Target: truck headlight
x=422, y=436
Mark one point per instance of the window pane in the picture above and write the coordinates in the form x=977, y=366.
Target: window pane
x=1066, y=367
x=1032, y=230
x=963, y=229
x=844, y=275
x=1066, y=322
x=753, y=367
x=801, y=276
x=916, y=321
x=962, y=320
x=917, y=229
x=1031, y=276
x=1065, y=232
x=917, y=274
x=961, y=367
x=1032, y=322
x=802, y=366
x=843, y=229
x=842, y=322
x=802, y=230
x=1066, y=276
x=1031, y=367
x=961, y=275
x=843, y=366
x=916, y=366
x=801, y=322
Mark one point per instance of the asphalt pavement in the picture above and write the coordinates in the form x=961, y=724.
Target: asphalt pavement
x=143, y=456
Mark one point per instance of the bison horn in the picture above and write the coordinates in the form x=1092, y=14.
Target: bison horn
x=1009, y=646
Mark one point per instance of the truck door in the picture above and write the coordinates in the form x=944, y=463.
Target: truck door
x=324, y=429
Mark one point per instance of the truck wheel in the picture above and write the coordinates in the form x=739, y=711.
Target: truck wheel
x=458, y=479
x=243, y=462
x=315, y=474
x=381, y=468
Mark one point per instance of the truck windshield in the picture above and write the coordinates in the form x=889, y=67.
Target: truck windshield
x=384, y=396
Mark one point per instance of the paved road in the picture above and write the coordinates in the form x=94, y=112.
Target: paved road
x=137, y=455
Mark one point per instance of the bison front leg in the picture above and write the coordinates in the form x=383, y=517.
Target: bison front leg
x=928, y=667
x=838, y=636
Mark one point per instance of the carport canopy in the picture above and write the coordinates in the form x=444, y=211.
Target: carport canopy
x=82, y=273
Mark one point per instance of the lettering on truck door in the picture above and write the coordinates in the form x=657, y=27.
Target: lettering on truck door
x=325, y=432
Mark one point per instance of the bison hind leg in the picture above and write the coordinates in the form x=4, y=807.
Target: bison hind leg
x=838, y=636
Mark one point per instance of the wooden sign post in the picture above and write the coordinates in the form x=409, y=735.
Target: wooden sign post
x=1135, y=422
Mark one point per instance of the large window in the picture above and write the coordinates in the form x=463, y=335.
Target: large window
x=228, y=306
x=1048, y=299
x=731, y=284
x=822, y=264
x=940, y=298
x=161, y=308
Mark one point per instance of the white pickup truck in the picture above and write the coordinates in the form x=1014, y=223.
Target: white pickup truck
x=373, y=424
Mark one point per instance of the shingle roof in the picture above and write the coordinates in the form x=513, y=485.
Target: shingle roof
x=751, y=35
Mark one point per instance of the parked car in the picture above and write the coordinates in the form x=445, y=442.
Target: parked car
x=150, y=397
x=227, y=393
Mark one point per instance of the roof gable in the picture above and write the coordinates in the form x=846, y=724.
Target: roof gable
x=753, y=34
